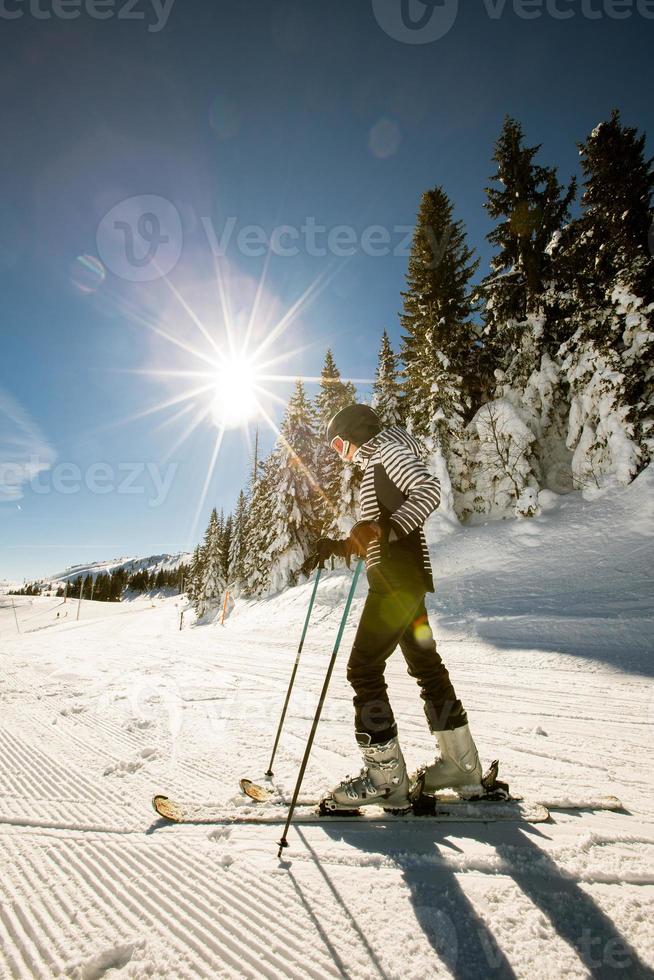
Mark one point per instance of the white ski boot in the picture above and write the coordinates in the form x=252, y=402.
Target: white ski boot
x=382, y=782
x=458, y=768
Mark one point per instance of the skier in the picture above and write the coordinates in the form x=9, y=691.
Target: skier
x=398, y=493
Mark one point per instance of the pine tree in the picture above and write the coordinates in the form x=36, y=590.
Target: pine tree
x=501, y=458
x=610, y=238
x=225, y=544
x=439, y=385
x=437, y=305
x=256, y=458
x=238, y=544
x=293, y=517
x=604, y=260
x=213, y=583
x=101, y=592
x=256, y=563
x=117, y=582
x=194, y=577
x=386, y=388
x=523, y=326
x=333, y=394
x=529, y=208
x=336, y=485
x=179, y=578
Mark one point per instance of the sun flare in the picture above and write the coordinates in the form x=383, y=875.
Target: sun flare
x=235, y=401
x=237, y=358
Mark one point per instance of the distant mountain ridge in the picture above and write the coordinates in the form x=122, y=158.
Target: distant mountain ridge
x=152, y=563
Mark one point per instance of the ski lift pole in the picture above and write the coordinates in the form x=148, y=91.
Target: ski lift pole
x=13, y=603
x=222, y=618
x=294, y=672
x=323, y=694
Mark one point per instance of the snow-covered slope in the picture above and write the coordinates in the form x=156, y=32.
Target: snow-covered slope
x=151, y=563
x=546, y=627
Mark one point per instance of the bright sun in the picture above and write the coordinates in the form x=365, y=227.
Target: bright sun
x=232, y=384
x=235, y=400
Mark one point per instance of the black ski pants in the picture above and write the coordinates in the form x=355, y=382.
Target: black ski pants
x=395, y=613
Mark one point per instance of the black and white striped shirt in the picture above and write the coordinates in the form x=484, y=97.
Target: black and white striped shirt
x=397, y=486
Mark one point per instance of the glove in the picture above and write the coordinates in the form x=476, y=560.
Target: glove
x=363, y=534
x=329, y=547
x=326, y=548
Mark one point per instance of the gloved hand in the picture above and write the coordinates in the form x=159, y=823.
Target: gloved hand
x=330, y=547
x=326, y=548
x=363, y=534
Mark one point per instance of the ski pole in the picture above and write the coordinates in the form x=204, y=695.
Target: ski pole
x=294, y=672
x=295, y=667
x=323, y=694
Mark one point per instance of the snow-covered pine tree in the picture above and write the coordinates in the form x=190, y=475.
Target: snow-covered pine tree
x=604, y=260
x=256, y=458
x=194, y=578
x=225, y=545
x=258, y=531
x=337, y=483
x=386, y=388
x=293, y=517
x=438, y=278
x=213, y=583
x=529, y=207
x=238, y=544
x=221, y=525
x=522, y=321
x=439, y=338
x=500, y=463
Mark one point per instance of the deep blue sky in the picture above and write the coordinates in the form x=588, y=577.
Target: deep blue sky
x=264, y=112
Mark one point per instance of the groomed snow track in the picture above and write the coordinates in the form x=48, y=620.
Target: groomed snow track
x=545, y=627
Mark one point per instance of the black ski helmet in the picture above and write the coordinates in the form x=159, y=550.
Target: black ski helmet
x=355, y=423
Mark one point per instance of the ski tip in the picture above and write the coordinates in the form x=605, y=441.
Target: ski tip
x=612, y=803
x=166, y=808
x=257, y=793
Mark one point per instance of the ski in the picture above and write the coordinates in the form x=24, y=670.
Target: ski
x=586, y=803
x=455, y=811
x=260, y=794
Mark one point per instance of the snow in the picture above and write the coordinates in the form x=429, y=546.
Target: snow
x=546, y=625
x=153, y=563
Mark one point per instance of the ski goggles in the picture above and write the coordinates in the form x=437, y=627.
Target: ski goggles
x=340, y=446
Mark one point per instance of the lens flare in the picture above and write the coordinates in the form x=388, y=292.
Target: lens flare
x=87, y=273
x=422, y=633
